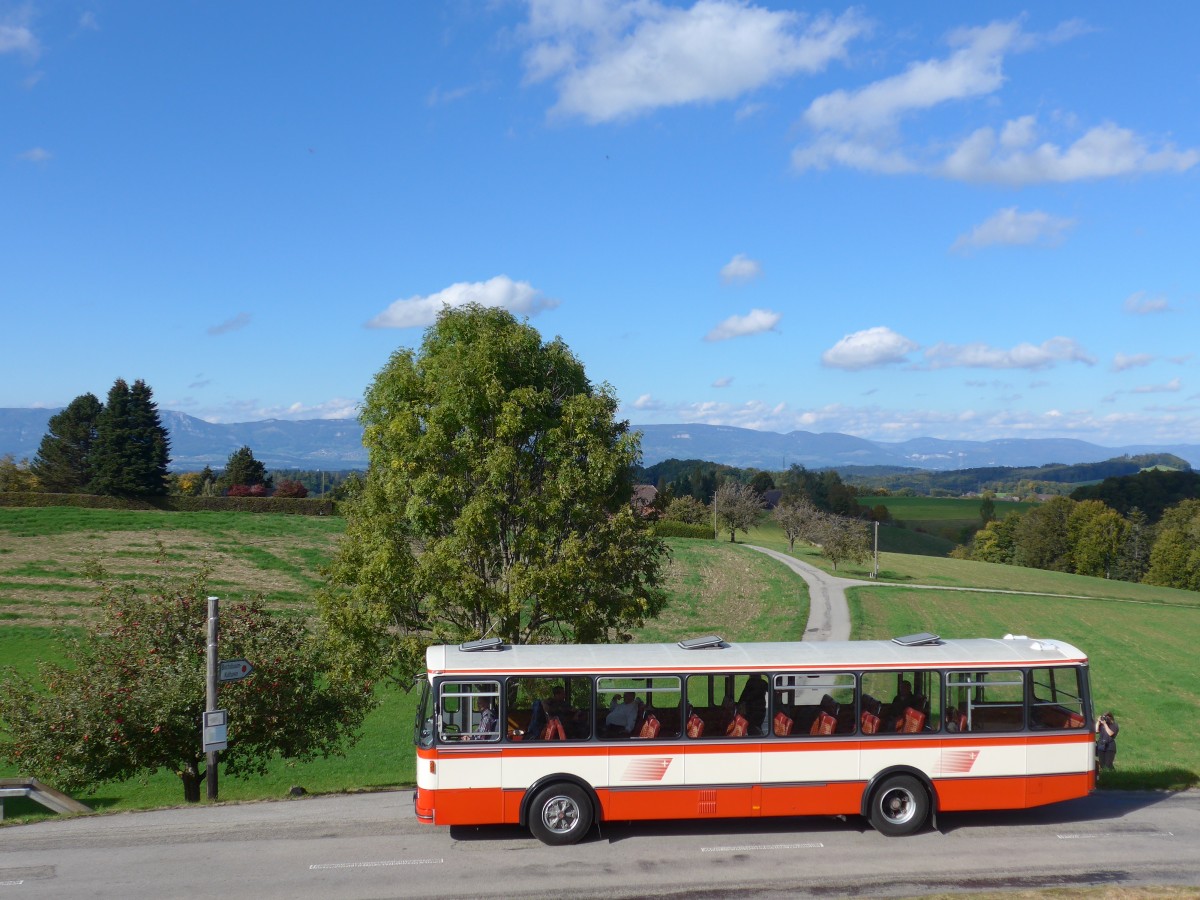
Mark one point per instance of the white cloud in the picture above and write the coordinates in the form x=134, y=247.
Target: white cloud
x=868, y=349
x=1169, y=388
x=740, y=268
x=238, y=322
x=1022, y=356
x=1123, y=361
x=17, y=37
x=1143, y=304
x=1011, y=227
x=1105, y=151
x=646, y=402
x=972, y=71
x=860, y=129
x=723, y=382
x=35, y=155
x=615, y=59
x=755, y=322
x=417, y=312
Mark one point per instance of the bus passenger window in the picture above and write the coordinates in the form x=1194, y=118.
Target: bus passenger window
x=1056, y=698
x=987, y=701
x=638, y=708
x=814, y=704
x=548, y=709
x=468, y=711
x=726, y=705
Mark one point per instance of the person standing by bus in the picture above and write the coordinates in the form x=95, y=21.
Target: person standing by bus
x=1106, y=739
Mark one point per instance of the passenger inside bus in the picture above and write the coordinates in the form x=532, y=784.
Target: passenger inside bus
x=623, y=716
x=754, y=702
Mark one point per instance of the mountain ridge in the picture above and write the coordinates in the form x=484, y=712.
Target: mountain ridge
x=337, y=444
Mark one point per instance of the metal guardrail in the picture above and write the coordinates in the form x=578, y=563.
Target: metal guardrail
x=50, y=798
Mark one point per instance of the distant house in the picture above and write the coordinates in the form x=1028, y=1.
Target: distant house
x=643, y=499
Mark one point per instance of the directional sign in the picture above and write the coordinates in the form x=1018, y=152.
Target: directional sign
x=233, y=670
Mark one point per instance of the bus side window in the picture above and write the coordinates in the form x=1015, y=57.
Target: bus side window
x=1056, y=698
x=468, y=711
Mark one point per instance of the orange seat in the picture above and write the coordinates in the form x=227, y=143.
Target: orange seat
x=739, y=727
x=783, y=724
x=650, y=727
x=823, y=724
x=913, y=722
x=870, y=723
x=695, y=726
x=554, y=730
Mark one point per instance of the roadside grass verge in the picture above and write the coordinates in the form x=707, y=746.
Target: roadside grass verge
x=1141, y=660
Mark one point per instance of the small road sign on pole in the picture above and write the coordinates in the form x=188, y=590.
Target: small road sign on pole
x=216, y=723
x=233, y=670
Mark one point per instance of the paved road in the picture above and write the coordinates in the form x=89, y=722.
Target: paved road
x=828, y=614
x=370, y=846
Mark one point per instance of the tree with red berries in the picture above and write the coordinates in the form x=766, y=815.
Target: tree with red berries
x=129, y=699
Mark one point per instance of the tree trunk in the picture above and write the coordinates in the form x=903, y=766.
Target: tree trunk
x=191, y=778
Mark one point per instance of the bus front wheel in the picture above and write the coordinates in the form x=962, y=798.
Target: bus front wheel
x=560, y=814
x=899, y=806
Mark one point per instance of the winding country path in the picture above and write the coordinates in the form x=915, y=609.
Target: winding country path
x=829, y=614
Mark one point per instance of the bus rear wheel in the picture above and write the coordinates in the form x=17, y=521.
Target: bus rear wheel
x=899, y=806
x=560, y=814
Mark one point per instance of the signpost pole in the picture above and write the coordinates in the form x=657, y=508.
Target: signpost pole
x=211, y=693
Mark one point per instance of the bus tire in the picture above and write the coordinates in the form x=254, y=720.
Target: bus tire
x=560, y=814
x=899, y=806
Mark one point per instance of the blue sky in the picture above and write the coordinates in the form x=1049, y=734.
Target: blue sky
x=891, y=220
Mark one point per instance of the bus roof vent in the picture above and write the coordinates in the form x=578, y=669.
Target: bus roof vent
x=492, y=643
x=708, y=642
x=922, y=639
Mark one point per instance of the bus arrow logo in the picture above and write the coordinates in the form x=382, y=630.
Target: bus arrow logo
x=647, y=769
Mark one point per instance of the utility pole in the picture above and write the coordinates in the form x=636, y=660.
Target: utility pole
x=876, y=573
x=210, y=705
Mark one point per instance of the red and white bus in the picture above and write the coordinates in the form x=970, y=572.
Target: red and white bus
x=557, y=737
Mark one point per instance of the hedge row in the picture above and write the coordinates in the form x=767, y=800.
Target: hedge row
x=670, y=528
x=308, y=506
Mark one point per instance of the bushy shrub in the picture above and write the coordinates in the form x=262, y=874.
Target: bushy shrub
x=238, y=490
x=288, y=488
x=669, y=528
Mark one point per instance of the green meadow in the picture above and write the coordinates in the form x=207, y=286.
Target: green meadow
x=1139, y=638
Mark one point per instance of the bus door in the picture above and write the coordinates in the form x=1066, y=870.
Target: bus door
x=467, y=724
x=726, y=722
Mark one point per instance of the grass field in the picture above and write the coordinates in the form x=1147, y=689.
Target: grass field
x=1140, y=639
x=932, y=526
x=44, y=552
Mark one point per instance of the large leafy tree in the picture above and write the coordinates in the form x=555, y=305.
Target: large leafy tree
x=132, y=449
x=497, y=502
x=130, y=697
x=798, y=518
x=842, y=539
x=63, y=460
x=1175, y=556
x=737, y=507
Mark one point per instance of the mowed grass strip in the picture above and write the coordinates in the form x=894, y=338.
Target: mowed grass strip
x=44, y=553
x=1141, y=659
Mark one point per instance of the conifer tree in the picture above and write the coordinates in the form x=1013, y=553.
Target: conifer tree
x=130, y=454
x=63, y=461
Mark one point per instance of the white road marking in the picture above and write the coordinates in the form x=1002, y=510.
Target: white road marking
x=386, y=862
x=761, y=847
x=1108, y=834
x=11, y=883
